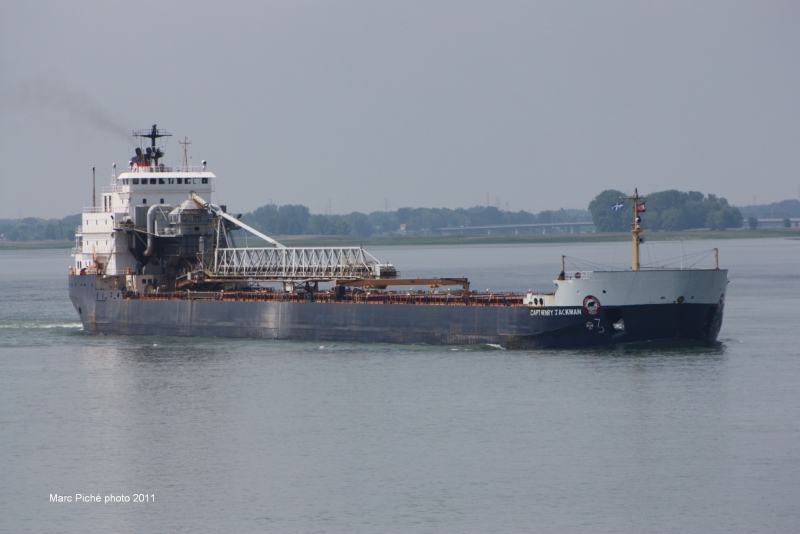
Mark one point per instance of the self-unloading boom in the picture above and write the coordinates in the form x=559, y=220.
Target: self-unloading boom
x=281, y=263
x=219, y=212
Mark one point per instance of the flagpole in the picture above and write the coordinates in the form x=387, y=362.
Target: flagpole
x=636, y=228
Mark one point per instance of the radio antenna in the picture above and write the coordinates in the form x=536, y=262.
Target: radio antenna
x=185, y=144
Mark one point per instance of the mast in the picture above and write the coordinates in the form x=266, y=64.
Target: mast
x=636, y=228
x=153, y=134
x=185, y=144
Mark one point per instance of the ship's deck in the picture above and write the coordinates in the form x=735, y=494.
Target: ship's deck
x=387, y=297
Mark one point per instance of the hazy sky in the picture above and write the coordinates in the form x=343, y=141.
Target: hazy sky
x=540, y=104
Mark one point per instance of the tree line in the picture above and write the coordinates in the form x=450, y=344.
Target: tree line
x=666, y=210
x=785, y=209
x=36, y=229
x=297, y=220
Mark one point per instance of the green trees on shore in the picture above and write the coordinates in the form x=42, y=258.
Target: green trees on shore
x=36, y=229
x=666, y=210
x=776, y=210
x=296, y=220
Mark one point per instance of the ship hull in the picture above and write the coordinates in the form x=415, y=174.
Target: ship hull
x=105, y=311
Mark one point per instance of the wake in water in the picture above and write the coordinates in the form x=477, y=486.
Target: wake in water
x=37, y=326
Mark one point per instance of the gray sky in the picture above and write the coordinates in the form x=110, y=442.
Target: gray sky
x=542, y=105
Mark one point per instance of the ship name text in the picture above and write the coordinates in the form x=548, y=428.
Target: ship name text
x=556, y=311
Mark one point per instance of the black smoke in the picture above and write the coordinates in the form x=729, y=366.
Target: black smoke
x=80, y=107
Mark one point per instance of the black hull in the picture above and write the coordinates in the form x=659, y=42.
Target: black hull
x=512, y=327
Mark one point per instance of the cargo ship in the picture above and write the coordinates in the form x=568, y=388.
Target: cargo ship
x=155, y=256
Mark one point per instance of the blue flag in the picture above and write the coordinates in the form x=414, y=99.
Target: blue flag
x=618, y=206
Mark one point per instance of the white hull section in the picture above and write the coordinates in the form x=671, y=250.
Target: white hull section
x=657, y=286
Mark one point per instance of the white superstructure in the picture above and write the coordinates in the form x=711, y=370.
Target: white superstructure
x=155, y=228
x=101, y=244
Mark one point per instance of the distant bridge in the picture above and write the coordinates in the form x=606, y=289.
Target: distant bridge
x=535, y=228
x=774, y=223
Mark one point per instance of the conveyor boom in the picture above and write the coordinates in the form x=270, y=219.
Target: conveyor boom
x=291, y=263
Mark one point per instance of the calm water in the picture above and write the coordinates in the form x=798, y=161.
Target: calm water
x=245, y=435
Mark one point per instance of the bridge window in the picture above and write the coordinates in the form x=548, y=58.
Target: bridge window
x=205, y=180
x=160, y=181
x=170, y=180
x=135, y=181
x=180, y=181
x=152, y=181
x=144, y=201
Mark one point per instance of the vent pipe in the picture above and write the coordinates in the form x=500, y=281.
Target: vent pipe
x=151, y=225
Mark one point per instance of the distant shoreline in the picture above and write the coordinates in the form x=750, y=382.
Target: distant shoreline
x=33, y=245
x=489, y=239
x=510, y=239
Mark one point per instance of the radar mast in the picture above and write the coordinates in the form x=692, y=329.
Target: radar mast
x=153, y=134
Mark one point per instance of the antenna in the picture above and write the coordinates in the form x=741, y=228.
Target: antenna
x=185, y=144
x=94, y=189
x=153, y=134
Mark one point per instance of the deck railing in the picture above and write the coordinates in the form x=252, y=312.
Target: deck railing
x=389, y=297
x=177, y=168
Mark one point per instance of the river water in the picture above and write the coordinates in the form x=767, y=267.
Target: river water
x=264, y=436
